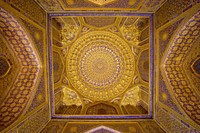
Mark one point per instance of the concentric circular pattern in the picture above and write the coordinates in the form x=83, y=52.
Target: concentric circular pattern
x=100, y=65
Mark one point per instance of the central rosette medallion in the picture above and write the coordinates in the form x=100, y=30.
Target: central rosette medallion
x=100, y=65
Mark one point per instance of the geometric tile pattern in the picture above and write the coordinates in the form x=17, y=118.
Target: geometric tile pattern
x=40, y=96
x=171, y=9
x=34, y=122
x=173, y=68
x=192, y=59
x=7, y=79
x=170, y=121
x=30, y=9
x=37, y=34
x=165, y=97
x=18, y=96
x=165, y=35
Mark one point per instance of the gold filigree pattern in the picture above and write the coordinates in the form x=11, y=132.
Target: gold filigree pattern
x=71, y=98
x=100, y=65
x=130, y=33
x=30, y=67
x=173, y=67
x=35, y=122
x=31, y=9
x=175, y=125
x=69, y=33
x=131, y=97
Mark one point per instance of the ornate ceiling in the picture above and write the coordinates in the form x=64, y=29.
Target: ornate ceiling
x=101, y=63
x=64, y=64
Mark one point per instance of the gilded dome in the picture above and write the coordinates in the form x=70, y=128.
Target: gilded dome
x=100, y=65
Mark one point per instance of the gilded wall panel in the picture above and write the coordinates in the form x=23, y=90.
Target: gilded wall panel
x=30, y=9
x=177, y=91
x=165, y=97
x=33, y=123
x=170, y=122
x=37, y=34
x=165, y=35
x=173, y=67
x=171, y=9
x=26, y=38
x=40, y=96
x=26, y=80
